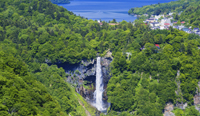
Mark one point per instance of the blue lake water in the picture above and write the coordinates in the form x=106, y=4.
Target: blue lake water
x=107, y=9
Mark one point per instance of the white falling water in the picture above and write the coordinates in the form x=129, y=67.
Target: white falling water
x=99, y=86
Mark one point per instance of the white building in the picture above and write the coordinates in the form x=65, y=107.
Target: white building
x=162, y=27
x=171, y=13
x=181, y=27
x=162, y=22
x=159, y=16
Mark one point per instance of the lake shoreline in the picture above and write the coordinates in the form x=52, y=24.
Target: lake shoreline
x=106, y=10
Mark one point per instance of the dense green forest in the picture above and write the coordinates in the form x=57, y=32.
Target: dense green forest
x=37, y=33
x=22, y=95
x=148, y=80
x=164, y=8
x=190, y=15
x=60, y=1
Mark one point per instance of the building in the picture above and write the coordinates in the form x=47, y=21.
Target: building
x=168, y=21
x=151, y=20
x=158, y=27
x=100, y=23
x=171, y=18
x=167, y=24
x=162, y=22
x=186, y=30
x=182, y=22
x=162, y=27
x=176, y=27
x=196, y=29
x=154, y=24
x=166, y=27
x=159, y=16
x=181, y=27
x=170, y=14
x=197, y=32
x=158, y=46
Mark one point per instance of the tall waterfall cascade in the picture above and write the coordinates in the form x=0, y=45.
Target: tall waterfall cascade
x=99, y=86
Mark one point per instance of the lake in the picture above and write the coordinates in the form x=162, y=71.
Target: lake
x=107, y=10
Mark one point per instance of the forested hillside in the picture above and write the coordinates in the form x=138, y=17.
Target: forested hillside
x=21, y=93
x=44, y=32
x=161, y=8
x=191, y=16
x=36, y=34
x=149, y=80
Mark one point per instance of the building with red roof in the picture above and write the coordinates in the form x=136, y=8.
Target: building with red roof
x=183, y=22
x=158, y=46
x=166, y=24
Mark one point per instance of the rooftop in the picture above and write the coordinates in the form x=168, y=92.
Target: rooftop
x=166, y=24
x=185, y=29
x=155, y=23
x=183, y=22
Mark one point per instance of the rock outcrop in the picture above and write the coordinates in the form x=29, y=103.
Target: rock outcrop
x=197, y=98
x=178, y=92
x=168, y=108
x=105, y=63
x=83, y=75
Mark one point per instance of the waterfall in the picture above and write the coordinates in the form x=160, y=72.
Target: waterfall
x=99, y=86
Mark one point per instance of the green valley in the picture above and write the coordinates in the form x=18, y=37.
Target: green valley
x=150, y=69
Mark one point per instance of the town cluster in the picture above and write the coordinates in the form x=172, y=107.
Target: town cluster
x=165, y=21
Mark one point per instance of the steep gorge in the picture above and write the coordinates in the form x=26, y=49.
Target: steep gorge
x=83, y=77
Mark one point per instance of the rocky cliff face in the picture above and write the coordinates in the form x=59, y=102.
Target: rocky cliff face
x=197, y=98
x=168, y=110
x=180, y=105
x=83, y=76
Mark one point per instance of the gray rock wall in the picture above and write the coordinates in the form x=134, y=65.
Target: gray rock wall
x=83, y=76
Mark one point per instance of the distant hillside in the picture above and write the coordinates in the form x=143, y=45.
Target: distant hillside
x=191, y=16
x=60, y=1
x=156, y=9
